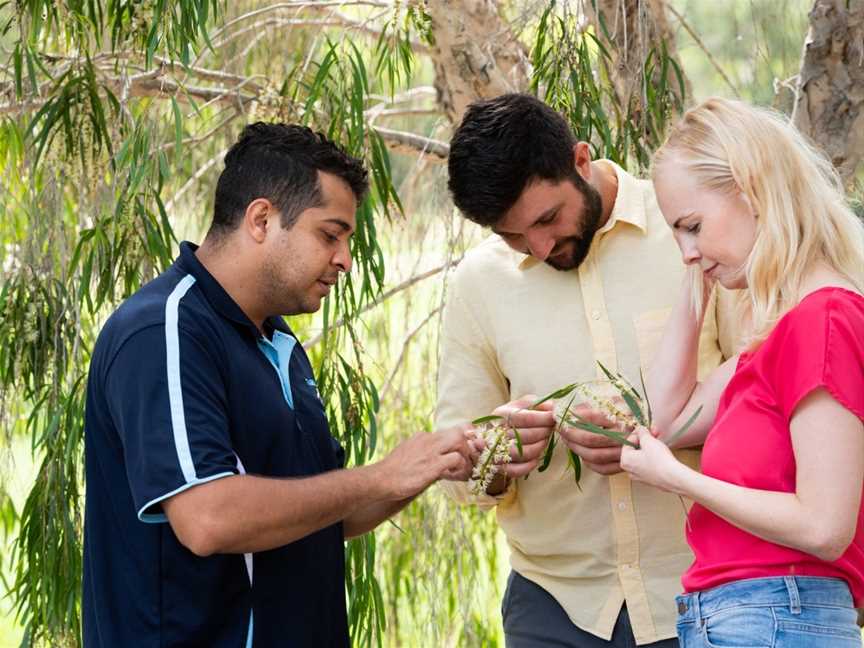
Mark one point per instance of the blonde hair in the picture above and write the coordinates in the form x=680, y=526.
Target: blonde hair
x=802, y=215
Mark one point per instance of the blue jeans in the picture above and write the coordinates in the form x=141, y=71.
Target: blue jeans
x=781, y=612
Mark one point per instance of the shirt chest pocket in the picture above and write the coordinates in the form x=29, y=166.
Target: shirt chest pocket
x=649, y=331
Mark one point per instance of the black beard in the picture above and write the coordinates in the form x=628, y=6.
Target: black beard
x=590, y=224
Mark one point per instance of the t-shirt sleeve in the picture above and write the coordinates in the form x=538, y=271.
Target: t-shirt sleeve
x=167, y=399
x=822, y=347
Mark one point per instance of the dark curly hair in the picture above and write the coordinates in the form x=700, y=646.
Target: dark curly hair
x=280, y=162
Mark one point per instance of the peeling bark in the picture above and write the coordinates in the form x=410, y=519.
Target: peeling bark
x=476, y=54
x=634, y=27
x=829, y=100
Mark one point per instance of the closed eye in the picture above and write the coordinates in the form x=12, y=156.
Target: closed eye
x=547, y=219
x=694, y=229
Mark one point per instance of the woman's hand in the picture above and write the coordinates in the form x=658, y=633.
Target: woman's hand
x=652, y=462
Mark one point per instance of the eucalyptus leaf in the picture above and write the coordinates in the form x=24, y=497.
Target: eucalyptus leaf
x=582, y=424
x=487, y=419
x=684, y=427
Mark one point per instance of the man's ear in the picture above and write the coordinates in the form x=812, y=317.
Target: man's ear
x=582, y=160
x=259, y=216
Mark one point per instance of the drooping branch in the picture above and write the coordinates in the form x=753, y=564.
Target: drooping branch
x=829, y=101
x=434, y=150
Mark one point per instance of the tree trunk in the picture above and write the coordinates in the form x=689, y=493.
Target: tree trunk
x=829, y=100
x=476, y=55
x=630, y=29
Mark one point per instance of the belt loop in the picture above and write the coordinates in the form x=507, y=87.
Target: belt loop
x=697, y=608
x=794, y=598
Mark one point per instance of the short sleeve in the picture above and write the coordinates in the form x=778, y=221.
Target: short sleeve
x=822, y=346
x=167, y=400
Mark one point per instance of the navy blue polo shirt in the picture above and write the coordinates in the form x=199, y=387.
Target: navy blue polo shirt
x=183, y=389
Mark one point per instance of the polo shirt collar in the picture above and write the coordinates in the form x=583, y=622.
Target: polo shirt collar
x=629, y=208
x=218, y=298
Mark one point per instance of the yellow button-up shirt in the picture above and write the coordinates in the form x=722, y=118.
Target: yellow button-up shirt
x=516, y=326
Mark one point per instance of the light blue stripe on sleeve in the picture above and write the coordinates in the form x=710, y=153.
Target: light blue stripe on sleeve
x=175, y=390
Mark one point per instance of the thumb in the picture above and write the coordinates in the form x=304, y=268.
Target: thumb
x=642, y=434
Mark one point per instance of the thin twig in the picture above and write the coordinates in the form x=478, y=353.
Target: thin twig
x=387, y=295
x=296, y=5
x=702, y=46
x=197, y=176
x=398, y=364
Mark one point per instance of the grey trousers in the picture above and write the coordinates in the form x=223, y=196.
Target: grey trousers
x=533, y=619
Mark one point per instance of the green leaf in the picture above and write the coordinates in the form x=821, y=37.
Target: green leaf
x=582, y=424
x=647, y=402
x=487, y=419
x=558, y=393
x=626, y=394
x=576, y=465
x=547, y=454
x=685, y=427
x=518, y=438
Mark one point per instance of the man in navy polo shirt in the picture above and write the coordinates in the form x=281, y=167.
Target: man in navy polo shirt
x=217, y=503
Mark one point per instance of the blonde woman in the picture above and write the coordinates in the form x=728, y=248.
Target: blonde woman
x=776, y=527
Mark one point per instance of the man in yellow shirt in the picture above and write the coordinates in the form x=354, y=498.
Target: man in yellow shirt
x=581, y=267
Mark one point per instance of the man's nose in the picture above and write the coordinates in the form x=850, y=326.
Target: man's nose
x=539, y=246
x=342, y=258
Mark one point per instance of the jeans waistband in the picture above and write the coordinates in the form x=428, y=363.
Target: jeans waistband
x=787, y=591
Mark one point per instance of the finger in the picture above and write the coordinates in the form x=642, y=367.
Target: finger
x=532, y=434
x=450, y=439
x=594, y=415
x=522, y=402
x=516, y=470
x=452, y=462
x=530, y=451
x=460, y=474
x=586, y=439
x=525, y=418
x=599, y=455
x=603, y=469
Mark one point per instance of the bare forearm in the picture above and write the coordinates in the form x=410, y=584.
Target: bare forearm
x=369, y=517
x=672, y=377
x=778, y=517
x=246, y=513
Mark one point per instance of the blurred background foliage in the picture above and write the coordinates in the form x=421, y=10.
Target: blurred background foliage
x=114, y=118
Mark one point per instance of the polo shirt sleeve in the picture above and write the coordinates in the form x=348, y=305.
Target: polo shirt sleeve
x=167, y=398
x=822, y=347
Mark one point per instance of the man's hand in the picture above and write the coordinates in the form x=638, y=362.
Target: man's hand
x=534, y=427
x=425, y=458
x=598, y=453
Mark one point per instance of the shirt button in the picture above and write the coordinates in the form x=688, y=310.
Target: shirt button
x=596, y=314
x=622, y=506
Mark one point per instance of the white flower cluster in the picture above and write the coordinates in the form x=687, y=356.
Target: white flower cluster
x=496, y=452
x=564, y=408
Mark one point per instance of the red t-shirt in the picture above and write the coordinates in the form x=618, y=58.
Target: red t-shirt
x=819, y=343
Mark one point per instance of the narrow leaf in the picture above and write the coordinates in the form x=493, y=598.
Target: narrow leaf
x=685, y=427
